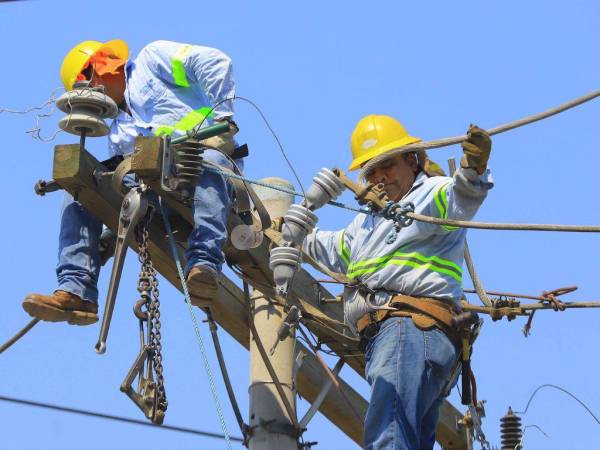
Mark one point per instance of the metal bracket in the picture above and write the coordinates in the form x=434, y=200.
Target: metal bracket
x=146, y=395
x=272, y=426
x=133, y=209
x=42, y=187
x=321, y=396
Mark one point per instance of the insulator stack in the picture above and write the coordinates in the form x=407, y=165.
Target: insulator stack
x=86, y=109
x=188, y=166
x=511, y=432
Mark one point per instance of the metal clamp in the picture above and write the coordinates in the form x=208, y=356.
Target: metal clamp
x=146, y=397
x=133, y=209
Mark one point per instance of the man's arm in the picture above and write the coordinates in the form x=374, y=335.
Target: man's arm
x=461, y=197
x=330, y=248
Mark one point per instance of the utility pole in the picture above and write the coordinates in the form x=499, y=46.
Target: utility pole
x=268, y=417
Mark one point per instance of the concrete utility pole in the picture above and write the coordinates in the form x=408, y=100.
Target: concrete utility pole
x=267, y=411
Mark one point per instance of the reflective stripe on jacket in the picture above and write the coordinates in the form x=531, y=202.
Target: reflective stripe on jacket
x=424, y=260
x=171, y=88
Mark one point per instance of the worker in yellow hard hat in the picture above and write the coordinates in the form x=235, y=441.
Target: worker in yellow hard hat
x=169, y=88
x=406, y=281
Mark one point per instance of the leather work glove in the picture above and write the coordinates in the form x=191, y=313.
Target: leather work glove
x=224, y=141
x=476, y=149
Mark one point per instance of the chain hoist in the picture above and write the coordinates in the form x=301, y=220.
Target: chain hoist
x=150, y=395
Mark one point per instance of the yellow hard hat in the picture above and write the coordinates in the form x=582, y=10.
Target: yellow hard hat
x=374, y=135
x=79, y=55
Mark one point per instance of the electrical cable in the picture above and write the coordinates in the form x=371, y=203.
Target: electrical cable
x=99, y=415
x=430, y=219
x=492, y=131
x=587, y=408
x=264, y=118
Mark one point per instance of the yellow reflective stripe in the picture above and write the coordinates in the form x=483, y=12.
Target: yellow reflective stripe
x=413, y=259
x=343, y=249
x=441, y=202
x=188, y=122
x=177, y=68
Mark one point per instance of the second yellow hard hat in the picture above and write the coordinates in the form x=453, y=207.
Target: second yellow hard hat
x=79, y=55
x=375, y=135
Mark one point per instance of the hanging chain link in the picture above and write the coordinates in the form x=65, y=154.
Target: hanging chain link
x=148, y=288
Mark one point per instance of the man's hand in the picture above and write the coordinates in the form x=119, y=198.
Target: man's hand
x=476, y=149
x=224, y=141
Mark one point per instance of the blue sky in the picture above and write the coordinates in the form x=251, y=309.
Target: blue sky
x=315, y=68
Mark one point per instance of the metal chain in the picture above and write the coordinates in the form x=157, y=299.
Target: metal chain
x=148, y=281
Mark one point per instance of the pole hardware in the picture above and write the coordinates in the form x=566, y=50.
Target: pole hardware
x=511, y=431
x=42, y=187
x=86, y=109
x=133, y=209
x=286, y=329
x=150, y=395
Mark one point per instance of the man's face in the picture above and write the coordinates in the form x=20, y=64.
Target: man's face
x=397, y=174
x=114, y=85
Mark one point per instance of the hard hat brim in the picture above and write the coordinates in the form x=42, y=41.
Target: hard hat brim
x=358, y=162
x=118, y=47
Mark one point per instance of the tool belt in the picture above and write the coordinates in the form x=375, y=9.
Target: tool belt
x=426, y=313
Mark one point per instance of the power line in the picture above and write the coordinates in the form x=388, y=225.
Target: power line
x=554, y=386
x=84, y=412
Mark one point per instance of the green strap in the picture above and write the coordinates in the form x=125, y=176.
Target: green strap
x=441, y=202
x=188, y=122
x=343, y=249
x=414, y=259
x=177, y=68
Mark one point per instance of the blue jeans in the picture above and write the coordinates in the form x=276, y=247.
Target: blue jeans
x=78, y=254
x=407, y=369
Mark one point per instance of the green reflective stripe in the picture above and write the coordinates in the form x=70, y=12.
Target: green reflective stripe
x=188, y=122
x=383, y=261
x=177, y=68
x=343, y=249
x=441, y=201
x=414, y=259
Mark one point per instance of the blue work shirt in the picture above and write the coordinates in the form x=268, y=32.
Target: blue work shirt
x=170, y=89
x=423, y=260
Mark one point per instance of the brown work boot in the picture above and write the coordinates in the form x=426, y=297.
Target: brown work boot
x=61, y=306
x=203, y=283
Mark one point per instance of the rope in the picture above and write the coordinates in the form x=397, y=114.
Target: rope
x=497, y=130
x=188, y=301
x=430, y=219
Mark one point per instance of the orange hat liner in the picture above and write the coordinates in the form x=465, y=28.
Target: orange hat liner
x=104, y=61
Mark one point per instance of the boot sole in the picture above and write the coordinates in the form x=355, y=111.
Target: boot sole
x=203, y=290
x=52, y=314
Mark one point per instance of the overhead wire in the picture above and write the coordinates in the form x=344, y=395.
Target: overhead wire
x=428, y=219
x=438, y=143
x=554, y=386
x=84, y=412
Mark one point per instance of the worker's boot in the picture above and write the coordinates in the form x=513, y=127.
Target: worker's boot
x=203, y=283
x=61, y=306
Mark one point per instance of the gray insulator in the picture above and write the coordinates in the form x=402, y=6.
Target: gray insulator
x=298, y=222
x=86, y=110
x=284, y=262
x=326, y=187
